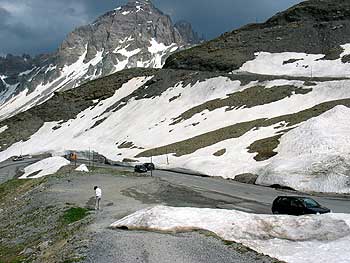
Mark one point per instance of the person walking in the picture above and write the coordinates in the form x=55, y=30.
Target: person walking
x=98, y=195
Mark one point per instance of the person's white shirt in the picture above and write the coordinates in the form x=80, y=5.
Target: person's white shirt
x=98, y=192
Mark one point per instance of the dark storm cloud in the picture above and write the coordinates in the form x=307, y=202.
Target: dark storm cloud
x=213, y=17
x=4, y=16
x=37, y=26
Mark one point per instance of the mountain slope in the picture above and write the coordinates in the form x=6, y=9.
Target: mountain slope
x=313, y=27
x=215, y=123
x=134, y=35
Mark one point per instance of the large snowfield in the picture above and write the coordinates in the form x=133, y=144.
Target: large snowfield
x=316, y=238
x=314, y=156
x=319, y=163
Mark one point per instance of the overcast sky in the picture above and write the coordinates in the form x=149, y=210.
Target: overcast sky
x=39, y=26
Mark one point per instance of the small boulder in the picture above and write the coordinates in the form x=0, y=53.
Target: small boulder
x=246, y=178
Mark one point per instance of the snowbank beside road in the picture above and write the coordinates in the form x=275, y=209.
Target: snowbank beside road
x=315, y=156
x=317, y=239
x=44, y=167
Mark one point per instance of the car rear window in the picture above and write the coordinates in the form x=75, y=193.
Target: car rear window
x=310, y=202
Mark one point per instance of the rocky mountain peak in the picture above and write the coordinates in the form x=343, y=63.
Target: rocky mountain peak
x=187, y=32
x=136, y=34
x=131, y=26
x=139, y=3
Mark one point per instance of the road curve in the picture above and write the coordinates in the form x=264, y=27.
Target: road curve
x=248, y=197
x=244, y=197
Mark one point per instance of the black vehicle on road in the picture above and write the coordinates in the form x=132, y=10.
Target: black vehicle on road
x=21, y=158
x=140, y=169
x=18, y=158
x=150, y=166
x=297, y=205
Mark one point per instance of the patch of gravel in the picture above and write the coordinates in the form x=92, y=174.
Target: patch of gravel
x=140, y=246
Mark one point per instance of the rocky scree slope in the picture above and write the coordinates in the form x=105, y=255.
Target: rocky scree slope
x=134, y=35
x=219, y=124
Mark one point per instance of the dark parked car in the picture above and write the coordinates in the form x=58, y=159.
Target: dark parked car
x=18, y=158
x=21, y=158
x=297, y=205
x=149, y=166
x=140, y=169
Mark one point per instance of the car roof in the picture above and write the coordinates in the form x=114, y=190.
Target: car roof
x=294, y=196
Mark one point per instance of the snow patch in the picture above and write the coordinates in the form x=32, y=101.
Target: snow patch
x=82, y=168
x=286, y=238
x=4, y=128
x=27, y=72
x=298, y=64
x=139, y=8
x=44, y=167
x=50, y=68
x=159, y=50
x=126, y=53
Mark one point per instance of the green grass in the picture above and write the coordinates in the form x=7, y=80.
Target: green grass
x=74, y=214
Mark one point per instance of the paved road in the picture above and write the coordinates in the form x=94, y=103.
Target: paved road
x=246, y=197
x=255, y=198
x=9, y=168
